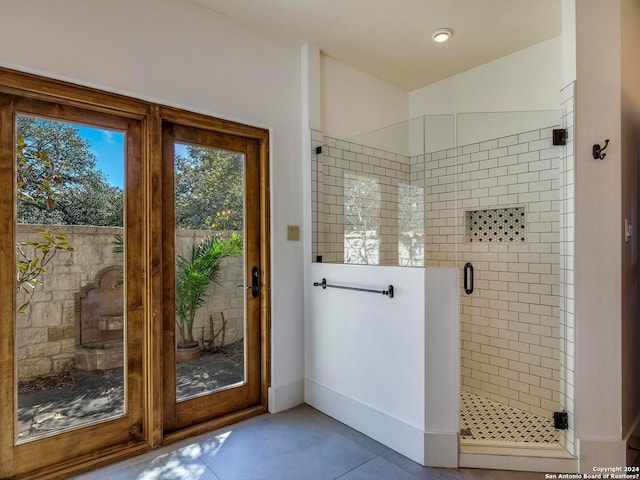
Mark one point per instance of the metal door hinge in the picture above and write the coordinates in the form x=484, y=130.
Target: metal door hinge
x=561, y=420
x=559, y=136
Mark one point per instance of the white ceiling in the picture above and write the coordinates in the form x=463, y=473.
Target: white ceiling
x=391, y=39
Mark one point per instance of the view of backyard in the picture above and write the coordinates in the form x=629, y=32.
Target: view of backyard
x=71, y=320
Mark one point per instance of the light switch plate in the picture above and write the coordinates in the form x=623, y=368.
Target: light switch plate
x=293, y=233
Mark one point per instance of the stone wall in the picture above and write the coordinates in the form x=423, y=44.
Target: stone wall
x=46, y=334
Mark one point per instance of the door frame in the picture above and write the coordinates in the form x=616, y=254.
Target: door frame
x=215, y=125
x=149, y=169
x=126, y=428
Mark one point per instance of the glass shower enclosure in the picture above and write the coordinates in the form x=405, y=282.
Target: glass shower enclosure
x=480, y=192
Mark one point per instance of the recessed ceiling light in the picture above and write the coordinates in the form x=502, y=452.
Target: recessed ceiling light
x=441, y=35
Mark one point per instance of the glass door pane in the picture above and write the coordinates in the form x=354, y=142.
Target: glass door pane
x=209, y=269
x=508, y=213
x=70, y=319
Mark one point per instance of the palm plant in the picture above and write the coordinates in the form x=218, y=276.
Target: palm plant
x=194, y=275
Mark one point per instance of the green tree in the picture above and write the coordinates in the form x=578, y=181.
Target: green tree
x=36, y=180
x=209, y=190
x=361, y=220
x=78, y=194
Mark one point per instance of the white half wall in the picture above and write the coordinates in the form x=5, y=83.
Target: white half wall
x=367, y=354
x=182, y=54
x=367, y=346
x=442, y=367
x=526, y=80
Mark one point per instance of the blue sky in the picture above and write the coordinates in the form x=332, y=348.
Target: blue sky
x=108, y=147
x=180, y=149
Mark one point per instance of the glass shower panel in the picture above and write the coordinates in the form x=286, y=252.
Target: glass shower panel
x=359, y=196
x=361, y=220
x=371, y=192
x=411, y=225
x=507, y=227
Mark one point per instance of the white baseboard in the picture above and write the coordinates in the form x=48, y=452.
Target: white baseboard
x=441, y=449
x=601, y=453
x=402, y=437
x=524, y=462
x=284, y=397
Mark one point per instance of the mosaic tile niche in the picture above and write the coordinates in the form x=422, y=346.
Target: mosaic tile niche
x=496, y=225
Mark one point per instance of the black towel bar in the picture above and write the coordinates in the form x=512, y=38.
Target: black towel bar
x=388, y=292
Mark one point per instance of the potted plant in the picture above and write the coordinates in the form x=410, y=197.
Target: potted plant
x=194, y=276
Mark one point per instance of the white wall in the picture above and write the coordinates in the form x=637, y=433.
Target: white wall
x=182, y=54
x=526, y=80
x=568, y=13
x=354, y=102
x=598, y=236
x=630, y=210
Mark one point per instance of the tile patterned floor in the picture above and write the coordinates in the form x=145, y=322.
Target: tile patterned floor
x=484, y=419
x=299, y=444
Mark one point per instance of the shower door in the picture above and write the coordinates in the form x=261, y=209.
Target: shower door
x=507, y=220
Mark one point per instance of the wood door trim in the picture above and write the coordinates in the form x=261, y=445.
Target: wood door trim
x=49, y=110
x=214, y=424
x=45, y=452
x=154, y=362
x=168, y=280
x=29, y=85
x=7, y=277
x=200, y=121
x=265, y=267
x=86, y=463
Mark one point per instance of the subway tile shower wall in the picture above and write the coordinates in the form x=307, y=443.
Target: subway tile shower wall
x=360, y=201
x=509, y=324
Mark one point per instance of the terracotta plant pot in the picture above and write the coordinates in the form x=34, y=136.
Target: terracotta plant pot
x=184, y=353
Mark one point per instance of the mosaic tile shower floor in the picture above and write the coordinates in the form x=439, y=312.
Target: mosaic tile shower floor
x=484, y=419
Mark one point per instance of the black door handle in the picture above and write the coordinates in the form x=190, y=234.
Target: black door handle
x=255, y=282
x=468, y=278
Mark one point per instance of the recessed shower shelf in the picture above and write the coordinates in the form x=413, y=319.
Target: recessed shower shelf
x=496, y=225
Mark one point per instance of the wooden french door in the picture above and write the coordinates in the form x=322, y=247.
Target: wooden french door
x=42, y=149
x=88, y=335
x=211, y=221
